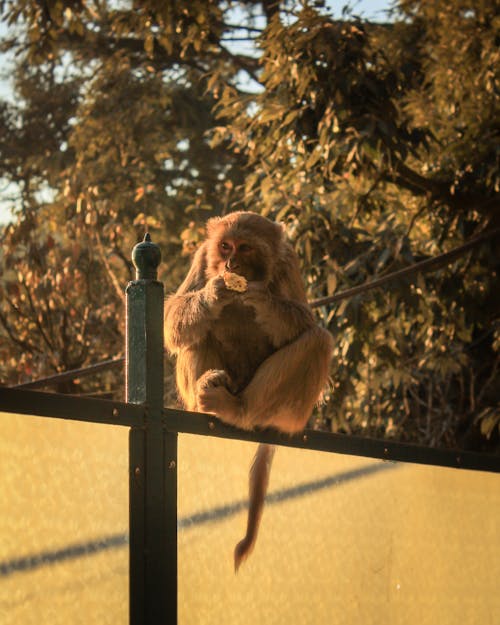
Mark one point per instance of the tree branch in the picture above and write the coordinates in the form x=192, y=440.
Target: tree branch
x=27, y=347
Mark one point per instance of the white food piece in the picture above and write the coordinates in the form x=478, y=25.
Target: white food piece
x=234, y=282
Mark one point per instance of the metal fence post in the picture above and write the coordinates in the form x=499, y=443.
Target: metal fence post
x=152, y=452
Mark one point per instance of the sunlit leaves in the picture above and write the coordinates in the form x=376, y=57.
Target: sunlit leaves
x=357, y=143
x=53, y=313
x=375, y=144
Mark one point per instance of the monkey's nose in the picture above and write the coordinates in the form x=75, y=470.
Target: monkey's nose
x=231, y=264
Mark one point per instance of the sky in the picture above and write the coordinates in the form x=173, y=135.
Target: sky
x=369, y=9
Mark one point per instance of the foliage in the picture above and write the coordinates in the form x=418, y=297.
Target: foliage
x=54, y=310
x=376, y=144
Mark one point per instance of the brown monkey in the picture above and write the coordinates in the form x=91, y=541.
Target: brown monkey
x=252, y=356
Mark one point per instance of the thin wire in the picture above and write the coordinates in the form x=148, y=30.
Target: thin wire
x=420, y=267
x=73, y=373
x=424, y=265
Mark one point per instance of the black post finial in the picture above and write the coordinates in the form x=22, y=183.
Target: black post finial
x=146, y=257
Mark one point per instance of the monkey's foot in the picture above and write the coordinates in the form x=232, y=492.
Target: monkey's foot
x=219, y=401
x=213, y=396
x=208, y=385
x=213, y=378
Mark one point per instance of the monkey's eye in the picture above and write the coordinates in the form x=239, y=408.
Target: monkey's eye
x=225, y=246
x=245, y=248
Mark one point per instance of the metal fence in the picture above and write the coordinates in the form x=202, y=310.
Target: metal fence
x=153, y=444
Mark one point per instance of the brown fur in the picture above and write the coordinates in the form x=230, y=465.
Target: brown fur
x=254, y=359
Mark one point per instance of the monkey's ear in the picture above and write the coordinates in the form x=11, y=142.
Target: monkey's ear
x=281, y=230
x=212, y=224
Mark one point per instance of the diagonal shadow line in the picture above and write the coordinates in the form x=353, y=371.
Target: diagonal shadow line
x=284, y=494
x=115, y=541
x=29, y=563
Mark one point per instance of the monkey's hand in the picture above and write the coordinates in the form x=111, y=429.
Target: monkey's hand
x=256, y=295
x=216, y=294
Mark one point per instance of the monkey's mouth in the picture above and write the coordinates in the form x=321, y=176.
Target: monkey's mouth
x=239, y=271
x=249, y=273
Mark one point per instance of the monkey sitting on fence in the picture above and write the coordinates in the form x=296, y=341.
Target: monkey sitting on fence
x=247, y=345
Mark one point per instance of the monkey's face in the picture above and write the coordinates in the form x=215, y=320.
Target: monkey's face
x=245, y=258
x=243, y=243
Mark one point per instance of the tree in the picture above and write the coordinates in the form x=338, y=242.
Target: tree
x=108, y=139
x=376, y=144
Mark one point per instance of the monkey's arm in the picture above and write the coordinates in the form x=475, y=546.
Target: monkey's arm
x=186, y=320
x=282, y=319
x=188, y=312
x=189, y=315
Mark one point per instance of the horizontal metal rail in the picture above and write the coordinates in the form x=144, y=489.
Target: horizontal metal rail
x=75, y=408
x=196, y=423
x=71, y=407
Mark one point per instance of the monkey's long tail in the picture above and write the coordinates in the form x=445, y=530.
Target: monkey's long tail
x=258, y=482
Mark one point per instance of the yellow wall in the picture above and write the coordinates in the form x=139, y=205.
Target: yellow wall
x=402, y=545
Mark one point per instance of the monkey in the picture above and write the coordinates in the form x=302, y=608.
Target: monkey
x=248, y=348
